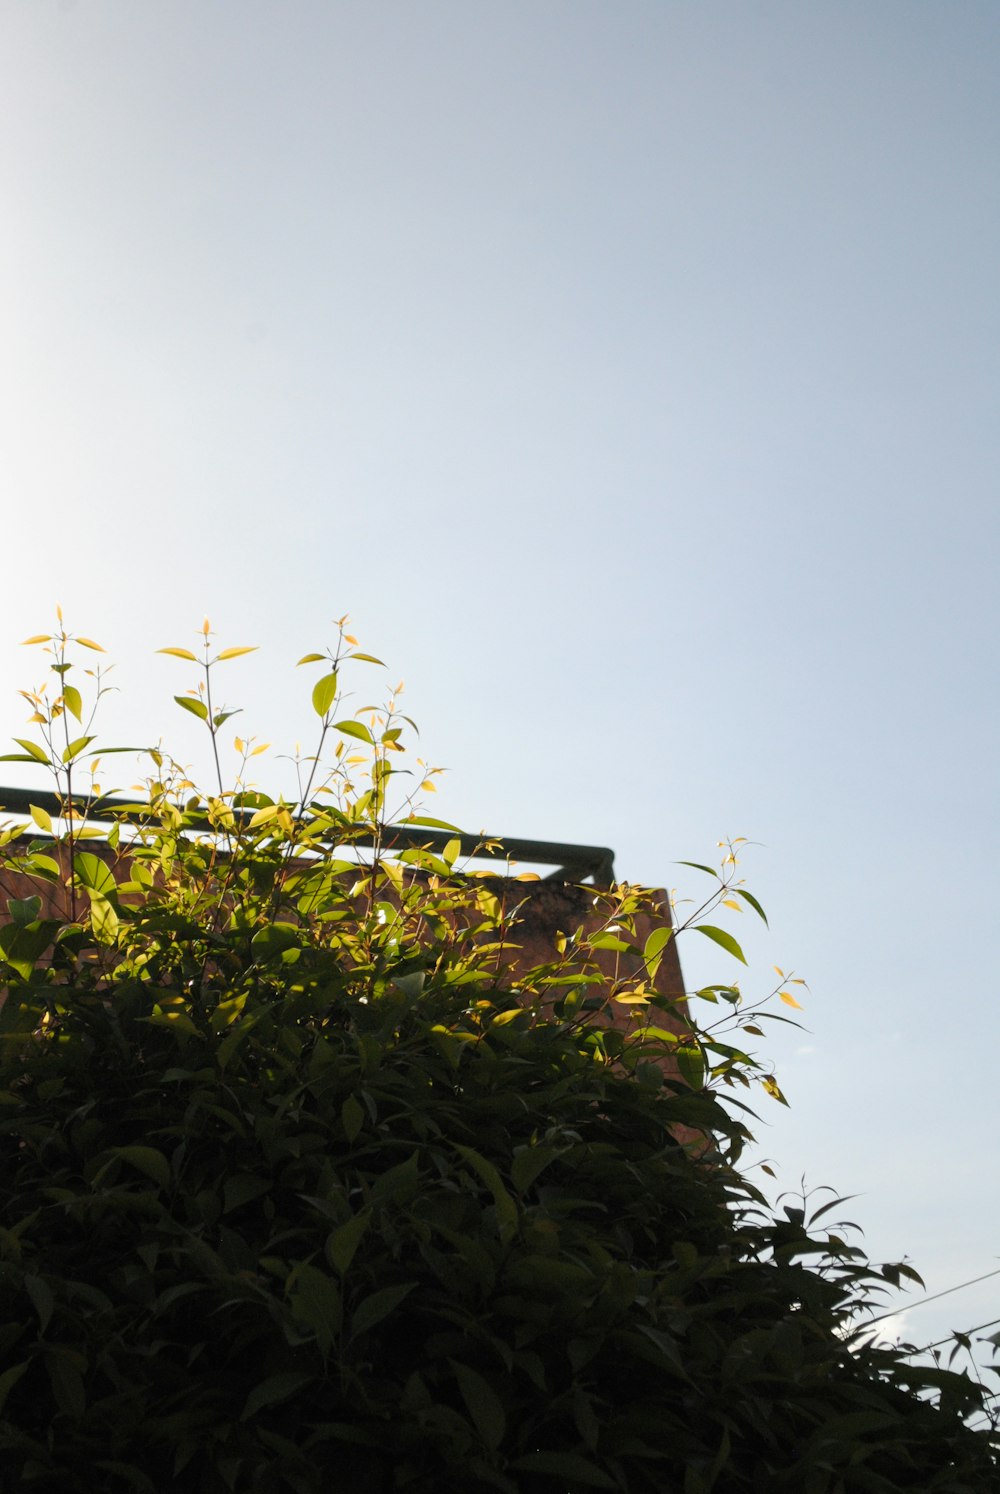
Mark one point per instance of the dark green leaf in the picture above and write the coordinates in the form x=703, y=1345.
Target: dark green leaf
x=748, y=897
x=565, y=1465
x=274, y=1390
x=379, y=1306
x=483, y=1405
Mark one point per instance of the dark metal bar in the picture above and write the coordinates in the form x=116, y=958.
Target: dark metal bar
x=573, y=863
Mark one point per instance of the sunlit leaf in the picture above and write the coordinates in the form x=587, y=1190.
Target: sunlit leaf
x=366, y=658
x=355, y=729
x=196, y=707
x=33, y=750
x=789, y=1000
x=423, y=819
x=312, y=659
x=179, y=653
x=38, y=638
x=324, y=693
x=74, y=703
x=75, y=748
x=724, y=940
x=234, y=653
x=771, y=1085
x=89, y=643
x=41, y=817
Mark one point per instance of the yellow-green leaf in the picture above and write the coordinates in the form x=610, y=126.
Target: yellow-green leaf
x=41, y=818
x=234, y=653
x=179, y=653
x=790, y=1000
x=74, y=703
x=37, y=638
x=324, y=693
x=312, y=659
x=89, y=643
x=263, y=816
x=75, y=748
x=355, y=729
x=34, y=750
x=724, y=940
x=196, y=707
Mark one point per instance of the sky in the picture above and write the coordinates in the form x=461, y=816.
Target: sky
x=629, y=373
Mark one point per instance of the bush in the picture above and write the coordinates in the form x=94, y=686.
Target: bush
x=308, y=1185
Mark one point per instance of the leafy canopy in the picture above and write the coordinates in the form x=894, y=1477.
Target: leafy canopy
x=311, y=1182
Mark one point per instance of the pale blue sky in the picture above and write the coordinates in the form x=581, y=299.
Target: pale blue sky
x=629, y=372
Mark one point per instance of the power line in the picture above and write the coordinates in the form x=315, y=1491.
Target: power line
x=966, y=1333
x=921, y=1300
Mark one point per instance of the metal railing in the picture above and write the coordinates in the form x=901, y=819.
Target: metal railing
x=572, y=863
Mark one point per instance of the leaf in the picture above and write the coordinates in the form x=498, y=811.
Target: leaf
x=41, y=818
x=652, y=952
x=196, y=707
x=33, y=749
x=274, y=1390
x=748, y=897
x=37, y=638
x=354, y=729
x=342, y=1243
x=324, y=693
x=146, y=1159
x=789, y=1000
x=103, y=920
x=367, y=659
x=67, y=1382
x=771, y=1085
x=74, y=702
x=697, y=865
x=569, y=1467
x=425, y=819
x=312, y=659
x=530, y=1161
x=41, y=1298
x=178, y=653
x=234, y=653
x=720, y=937
x=75, y=748
x=263, y=816
x=10, y=1376
x=483, y=1404
x=691, y=1064
x=352, y=1115
x=315, y=1301
x=92, y=873
x=505, y=1206
x=89, y=643
x=24, y=910
x=378, y=1306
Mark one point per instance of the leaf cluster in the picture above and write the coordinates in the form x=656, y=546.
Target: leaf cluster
x=308, y=1183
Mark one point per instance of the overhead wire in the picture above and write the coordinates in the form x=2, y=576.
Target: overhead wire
x=921, y=1300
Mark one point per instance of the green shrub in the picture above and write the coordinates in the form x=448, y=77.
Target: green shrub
x=307, y=1186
